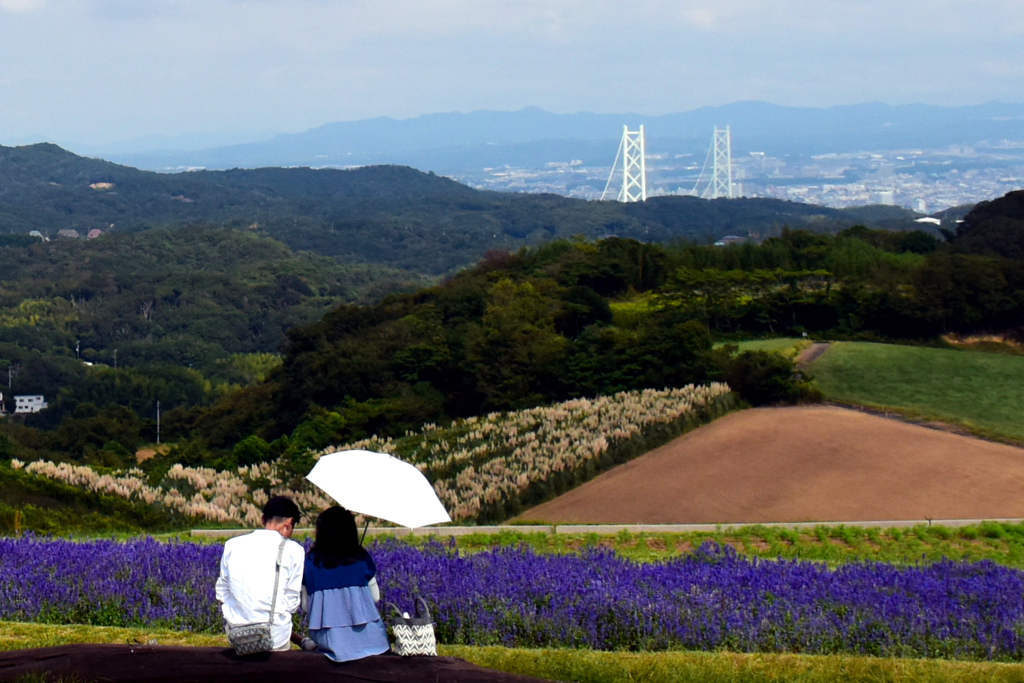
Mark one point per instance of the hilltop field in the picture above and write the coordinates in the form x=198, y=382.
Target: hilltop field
x=802, y=464
x=980, y=392
x=833, y=464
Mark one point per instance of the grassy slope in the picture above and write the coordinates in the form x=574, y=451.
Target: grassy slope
x=784, y=345
x=980, y=391
x=587, y=666
x=32, y=503
x=790, y=347
x=787, y=346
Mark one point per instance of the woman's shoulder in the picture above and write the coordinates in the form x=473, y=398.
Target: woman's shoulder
x=361, y=557
x=367, y=559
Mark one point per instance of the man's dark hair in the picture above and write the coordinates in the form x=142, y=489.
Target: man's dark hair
x=280, y=508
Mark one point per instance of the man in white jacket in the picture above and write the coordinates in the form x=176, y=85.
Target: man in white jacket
x=245, y=586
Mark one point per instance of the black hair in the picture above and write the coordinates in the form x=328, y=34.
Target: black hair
x=280, y=508
x=337, y=538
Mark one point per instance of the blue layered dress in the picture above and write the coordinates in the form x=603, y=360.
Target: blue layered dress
x=343, y=619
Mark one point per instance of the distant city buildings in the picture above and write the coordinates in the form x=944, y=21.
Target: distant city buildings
x=921, y=180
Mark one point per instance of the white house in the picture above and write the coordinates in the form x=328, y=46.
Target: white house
x=29, y=404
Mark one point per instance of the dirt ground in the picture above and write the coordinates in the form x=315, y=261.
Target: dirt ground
x=802, y=464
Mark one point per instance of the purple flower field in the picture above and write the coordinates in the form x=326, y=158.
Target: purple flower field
x=712, y=599
x=109, y=583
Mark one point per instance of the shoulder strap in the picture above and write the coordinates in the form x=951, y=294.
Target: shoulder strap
x=277, y=577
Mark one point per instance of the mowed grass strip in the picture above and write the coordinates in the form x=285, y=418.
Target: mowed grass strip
x=16, y=635
x=588, y=666
x=980, y=391
x=999, y=542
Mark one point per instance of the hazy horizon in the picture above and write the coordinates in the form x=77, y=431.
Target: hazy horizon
x=100, y=73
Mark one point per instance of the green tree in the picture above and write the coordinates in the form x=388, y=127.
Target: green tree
x=251, y=450
x=763, y=378
x=516, y=352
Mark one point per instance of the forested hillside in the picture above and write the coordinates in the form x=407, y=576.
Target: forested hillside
x=178, y=315
x=183, y=296
x=381, y=214
x=994, y=228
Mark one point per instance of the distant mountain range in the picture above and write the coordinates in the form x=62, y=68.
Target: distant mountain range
x=454, y=142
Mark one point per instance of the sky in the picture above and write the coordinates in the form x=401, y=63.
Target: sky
x=121, y=73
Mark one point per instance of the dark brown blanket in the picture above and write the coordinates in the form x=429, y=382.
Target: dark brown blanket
x=162, y=664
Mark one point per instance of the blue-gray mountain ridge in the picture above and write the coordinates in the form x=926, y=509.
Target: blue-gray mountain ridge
x=449, y=143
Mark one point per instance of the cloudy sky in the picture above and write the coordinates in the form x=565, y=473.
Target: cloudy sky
x=96, y=72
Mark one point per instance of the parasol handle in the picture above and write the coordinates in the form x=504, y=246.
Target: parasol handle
x=366, y=525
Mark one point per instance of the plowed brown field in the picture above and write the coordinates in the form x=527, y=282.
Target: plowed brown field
x=802, y=464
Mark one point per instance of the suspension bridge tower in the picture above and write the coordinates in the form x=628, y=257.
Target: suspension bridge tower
x=631, y=160
x=721, y=178
x=716, y=181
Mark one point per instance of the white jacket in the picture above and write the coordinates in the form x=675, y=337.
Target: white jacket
x=246, y=581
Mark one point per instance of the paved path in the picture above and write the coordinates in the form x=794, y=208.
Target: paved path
x=812, y=353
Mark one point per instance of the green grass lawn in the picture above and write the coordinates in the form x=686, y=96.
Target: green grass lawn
x=787, y=346
x=983, y=392
x=588, y=666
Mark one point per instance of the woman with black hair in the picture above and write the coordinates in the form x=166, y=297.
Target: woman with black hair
x=339, y=591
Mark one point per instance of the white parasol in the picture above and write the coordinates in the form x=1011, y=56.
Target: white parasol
x=379, y=485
